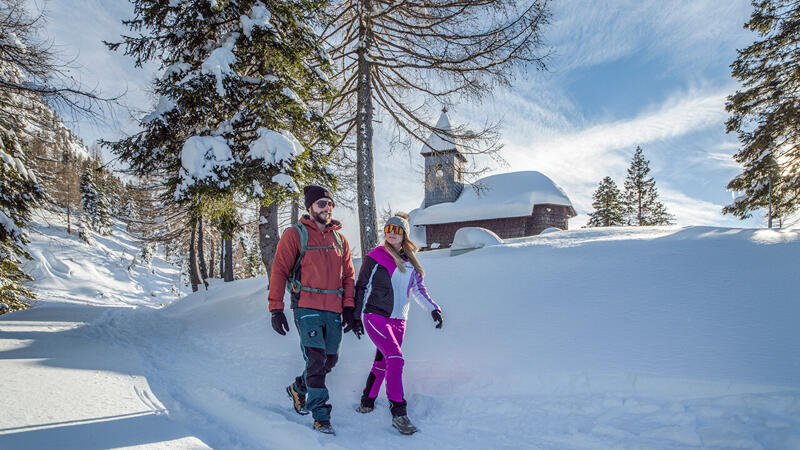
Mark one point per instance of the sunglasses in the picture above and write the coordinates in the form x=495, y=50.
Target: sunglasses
x=396, y=229
x=324, y=203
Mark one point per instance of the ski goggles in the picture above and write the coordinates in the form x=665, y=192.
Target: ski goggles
x=396, y=229
x=324, y=203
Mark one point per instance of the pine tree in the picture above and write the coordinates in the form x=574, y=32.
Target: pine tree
x=19, y=194
x=641, y=197
x=765, y=112
x=240, y=102
x=254, y=266
x=609, y=209
x=96, y=208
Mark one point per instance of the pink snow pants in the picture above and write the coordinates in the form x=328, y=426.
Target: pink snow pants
x=387, y=334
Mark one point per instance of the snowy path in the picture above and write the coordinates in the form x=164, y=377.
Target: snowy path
x=63, y=388
x=222, y=372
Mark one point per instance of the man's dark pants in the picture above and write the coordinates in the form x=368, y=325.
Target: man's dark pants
x=320, y=339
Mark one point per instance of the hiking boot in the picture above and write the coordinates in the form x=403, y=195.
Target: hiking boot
x=366, y=406
x=364, y=409
x=298, y=399
x=324, y=426
x=404, y=425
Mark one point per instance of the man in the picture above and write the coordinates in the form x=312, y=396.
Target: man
x=321, y=282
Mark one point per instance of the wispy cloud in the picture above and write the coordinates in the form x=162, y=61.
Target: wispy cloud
x=586, y=155
x=693, y=211
x=685, y=31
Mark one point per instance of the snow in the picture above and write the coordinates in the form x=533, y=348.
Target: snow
x=652, y=337
x=201, y=157
x=219, y=63
x=9, y=225
x=550, y=230
x=18, y=166
x=418, y=235
x=176, y=68
x=165, y=104
x=258, y=191
x=13, y=40
x=511, y=194
x=440, y=141
x=293, y=95
x=259, y=16
x=274, y=147
x=285, y=180
x=469, y=238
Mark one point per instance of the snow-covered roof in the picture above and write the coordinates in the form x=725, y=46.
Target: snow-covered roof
x=511, y=194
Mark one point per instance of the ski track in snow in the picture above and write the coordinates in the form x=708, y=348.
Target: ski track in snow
x=517, y=364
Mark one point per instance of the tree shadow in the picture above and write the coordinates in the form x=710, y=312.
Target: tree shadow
x=75, y=347
x=95, y=433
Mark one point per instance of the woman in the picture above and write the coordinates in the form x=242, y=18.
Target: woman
x=390, y=275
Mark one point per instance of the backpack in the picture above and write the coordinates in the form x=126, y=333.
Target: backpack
x=293, y=284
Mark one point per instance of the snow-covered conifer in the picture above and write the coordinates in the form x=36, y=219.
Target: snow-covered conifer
x=641, y=197
x=19, y=194
x=238, y=89
x=240, y=95
x=608, y=207
x=764, y=113
x=96, y=208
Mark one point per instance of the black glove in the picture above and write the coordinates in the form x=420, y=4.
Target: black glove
x=279, y=323
x=350, y=323
x=437, y=317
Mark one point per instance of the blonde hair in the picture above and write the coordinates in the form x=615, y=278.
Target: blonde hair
x=409, y=248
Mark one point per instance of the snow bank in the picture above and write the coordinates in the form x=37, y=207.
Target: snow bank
x=550, y=230
x=471, y=238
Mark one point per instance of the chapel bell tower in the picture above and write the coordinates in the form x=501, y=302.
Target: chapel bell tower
x=444, y=164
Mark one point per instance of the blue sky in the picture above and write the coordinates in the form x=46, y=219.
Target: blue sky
x=623, y=73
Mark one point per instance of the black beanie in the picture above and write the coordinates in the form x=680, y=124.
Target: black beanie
x=314, y=193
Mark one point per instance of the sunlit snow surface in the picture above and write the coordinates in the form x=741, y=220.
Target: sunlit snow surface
x=663, y=338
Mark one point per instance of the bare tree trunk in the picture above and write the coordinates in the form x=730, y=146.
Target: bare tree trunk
x=194, y=275
x=213, y=253
x=295, y=212
x=222, y=257
x=69, y=223
x=268, y=234
x=365, y=175
x=228, y=274
x=201, y=257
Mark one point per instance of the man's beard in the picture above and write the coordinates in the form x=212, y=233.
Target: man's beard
x=319, y=219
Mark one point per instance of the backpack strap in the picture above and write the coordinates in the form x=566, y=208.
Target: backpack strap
x=339, y=245
x=293, y=285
